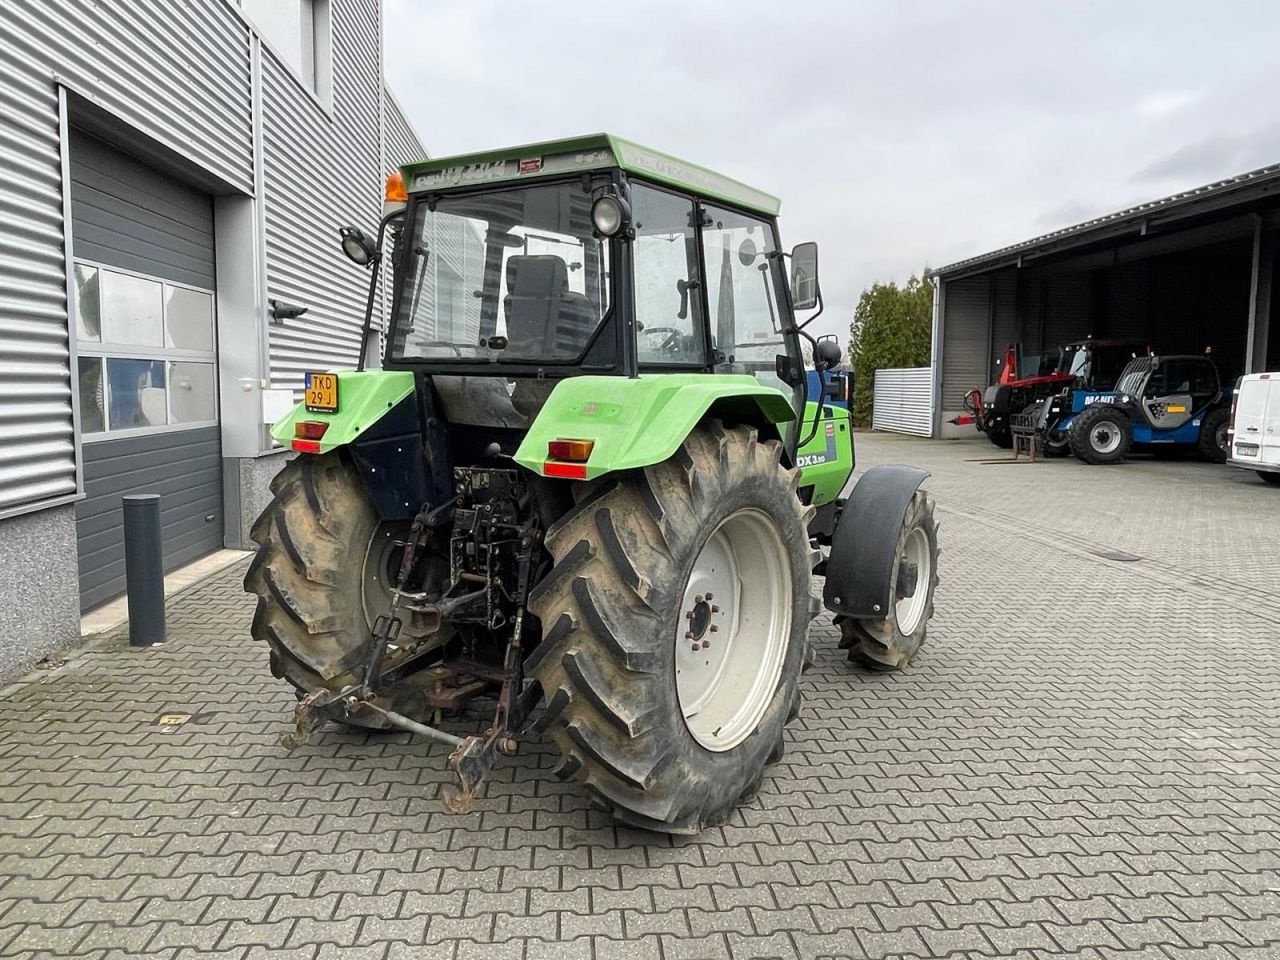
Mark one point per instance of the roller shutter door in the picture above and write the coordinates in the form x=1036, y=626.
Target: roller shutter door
x=964, y=349
x=147, y=379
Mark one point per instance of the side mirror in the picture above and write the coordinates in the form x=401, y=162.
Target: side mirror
x=804, y=276
x=826, y=354
x=357, y=246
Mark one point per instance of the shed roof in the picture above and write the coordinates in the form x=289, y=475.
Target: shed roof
x=1240, y=189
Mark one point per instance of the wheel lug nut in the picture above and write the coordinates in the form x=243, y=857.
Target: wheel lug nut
x=708, y=597
x=688, y=614
x=688, y=634
x=714, y=608
x=706, y=644
x=714, y=629
x=698, y=598
x=695, y=648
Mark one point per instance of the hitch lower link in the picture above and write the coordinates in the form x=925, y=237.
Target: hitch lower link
x=471, y=760
x=472, y=757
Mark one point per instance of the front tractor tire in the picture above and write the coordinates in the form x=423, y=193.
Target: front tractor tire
x=1215, y=443
x=1102, y=434
x=322, y=575
x=675, y=624
x=891, y=643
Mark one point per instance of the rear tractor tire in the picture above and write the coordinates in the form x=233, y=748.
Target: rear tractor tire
x=674, y=630
x=322, y=574
x=891, y=643
x=1101, y=434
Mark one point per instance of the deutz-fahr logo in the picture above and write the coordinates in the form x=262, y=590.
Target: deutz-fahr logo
x=463, y=173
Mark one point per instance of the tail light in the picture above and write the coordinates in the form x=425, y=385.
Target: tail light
x=307, y=435
x=575, y=451
x=567, y=459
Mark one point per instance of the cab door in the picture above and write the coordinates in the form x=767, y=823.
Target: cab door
x=1177, y=390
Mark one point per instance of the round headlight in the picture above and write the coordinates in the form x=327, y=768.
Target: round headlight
x=607, y=215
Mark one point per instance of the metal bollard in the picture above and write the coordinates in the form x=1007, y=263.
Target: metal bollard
x=144, y=569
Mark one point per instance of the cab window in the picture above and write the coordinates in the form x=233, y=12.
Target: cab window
x=669, y=326
x=743, y=281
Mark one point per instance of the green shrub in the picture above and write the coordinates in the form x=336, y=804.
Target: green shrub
x=892, y=327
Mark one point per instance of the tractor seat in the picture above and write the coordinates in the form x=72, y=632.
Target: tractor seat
x=545, y=320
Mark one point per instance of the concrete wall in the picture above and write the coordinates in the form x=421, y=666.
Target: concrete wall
x=39, y=596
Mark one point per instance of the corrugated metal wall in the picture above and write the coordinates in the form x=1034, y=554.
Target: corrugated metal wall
x=1005, y=328
x=964, y=349
x=323, y=170
x=179, y=71
x=904, y=401
x=401, y=144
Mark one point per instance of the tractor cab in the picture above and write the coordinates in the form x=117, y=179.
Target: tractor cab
x=517, y=270
x=1167, y=392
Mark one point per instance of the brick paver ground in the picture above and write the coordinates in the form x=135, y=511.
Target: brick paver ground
x=1082, y=762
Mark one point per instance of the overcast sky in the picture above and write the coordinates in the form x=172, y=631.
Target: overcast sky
x=897, y=134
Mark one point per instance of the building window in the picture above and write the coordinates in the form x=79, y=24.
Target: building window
x=298, y=31
x=147, y=354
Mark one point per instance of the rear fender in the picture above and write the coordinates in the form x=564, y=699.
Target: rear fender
x=364, y=398
x=865, y=543
x=634, y=422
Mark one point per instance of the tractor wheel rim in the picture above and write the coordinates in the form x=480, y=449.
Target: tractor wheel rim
x=1220, y=438
x=1104, y=438
x=378, y=578
x=734, y=628
x=910, y=611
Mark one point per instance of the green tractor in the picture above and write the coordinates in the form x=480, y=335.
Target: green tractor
x=587, y=489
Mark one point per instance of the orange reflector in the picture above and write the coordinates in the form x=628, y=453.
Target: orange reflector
x=396, y=192
x=310, y=429
x=577, y=451
x=566, y=471
x=306, y=446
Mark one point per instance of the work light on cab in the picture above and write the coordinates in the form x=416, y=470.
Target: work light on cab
x=608, y=215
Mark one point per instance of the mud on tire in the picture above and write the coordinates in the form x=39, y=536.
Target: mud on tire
x=611, y=613
x=309, y=575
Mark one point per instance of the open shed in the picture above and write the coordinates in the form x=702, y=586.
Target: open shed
x=1187, y=273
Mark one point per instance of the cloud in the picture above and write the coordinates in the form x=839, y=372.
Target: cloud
x=1160, y=105
x=1216, y=157
x=896, y=133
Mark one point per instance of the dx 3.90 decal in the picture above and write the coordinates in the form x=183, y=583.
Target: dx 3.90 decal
x=827, y=455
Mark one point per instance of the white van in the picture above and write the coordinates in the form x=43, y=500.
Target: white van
x=1254, y=437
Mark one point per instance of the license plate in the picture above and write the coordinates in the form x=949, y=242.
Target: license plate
x=321, y=394
x=1246, y=449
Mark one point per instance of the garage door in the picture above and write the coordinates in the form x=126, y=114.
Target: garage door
x=144, y=316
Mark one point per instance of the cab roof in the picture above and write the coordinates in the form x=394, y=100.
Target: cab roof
x=593, y=152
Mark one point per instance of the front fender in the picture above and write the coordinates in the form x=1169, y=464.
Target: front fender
x=635, y=422
x=865, y=543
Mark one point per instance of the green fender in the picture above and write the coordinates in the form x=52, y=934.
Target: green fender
x=364, y=398
x=826, y=461
x=637, y=421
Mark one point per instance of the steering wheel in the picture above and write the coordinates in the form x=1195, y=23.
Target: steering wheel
x=670, y=343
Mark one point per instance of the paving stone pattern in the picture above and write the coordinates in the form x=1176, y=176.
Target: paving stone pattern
x=1082, y=762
